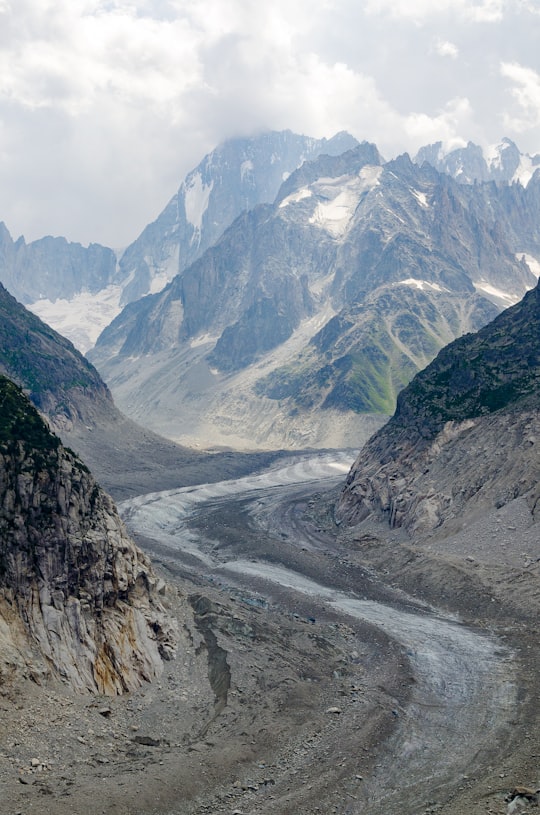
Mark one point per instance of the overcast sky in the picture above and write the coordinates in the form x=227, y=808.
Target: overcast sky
x=106, y=104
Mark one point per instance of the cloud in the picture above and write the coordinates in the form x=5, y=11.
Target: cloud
x=446, y=49
x=526, y=93
x=487, y=11
x=106, y=104
x=446, y=126
x=530, y=6
x=70, y=60
x=482, y=11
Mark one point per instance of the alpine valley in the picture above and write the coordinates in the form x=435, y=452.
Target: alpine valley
x=297, y=605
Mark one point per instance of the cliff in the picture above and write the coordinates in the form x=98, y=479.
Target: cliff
x=78, y=599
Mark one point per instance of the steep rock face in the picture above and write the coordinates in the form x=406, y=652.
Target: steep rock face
x=52, y=267
x=465, y=434
x=235, y=177
x=330, y=299
x=79, y=290
x=68, y=390
x=76, y=596
x=364, y=356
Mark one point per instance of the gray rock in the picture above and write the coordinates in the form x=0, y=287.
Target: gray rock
x=73, y=585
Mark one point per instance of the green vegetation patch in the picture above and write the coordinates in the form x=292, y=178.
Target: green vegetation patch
x=20, y=421
x=38, y=358
x=494, y=369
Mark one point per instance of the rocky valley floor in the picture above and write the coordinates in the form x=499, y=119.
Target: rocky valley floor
x=291, y=693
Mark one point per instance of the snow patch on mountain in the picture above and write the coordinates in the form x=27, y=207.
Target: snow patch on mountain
x=493, y=154
x=532, y=262
x=196, y=197
x=295, y=197
x=421, y=197
x=340, y=198
x=164, y=273
x=505, y=299
x=203, y=339
x=525, y=170
x=83, y=318
x=246, y=168
x=421, y=284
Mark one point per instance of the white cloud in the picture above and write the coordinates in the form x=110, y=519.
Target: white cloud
x=69, y=60
x=485, y=11
x=526, y=92
x=420, y=10
x=447, y=125
x=529, y=5
x=445, y=49
x=106, y=104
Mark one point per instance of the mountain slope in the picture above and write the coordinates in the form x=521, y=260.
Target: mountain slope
x=464, y=437
x=318, y=309
x=77, y=598
x=126, y=458
x=51, y=268
x=79, y=287
x=59, y=380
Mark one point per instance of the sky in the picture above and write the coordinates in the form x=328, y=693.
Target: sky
x=105, y=105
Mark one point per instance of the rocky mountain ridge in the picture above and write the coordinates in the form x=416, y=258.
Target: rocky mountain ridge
x=50, y=268
x=318, y=309
x=465, y=434
x=235, y=177
x=502, y=162
x=78, y=600
x=58, y=379
x=79, y=290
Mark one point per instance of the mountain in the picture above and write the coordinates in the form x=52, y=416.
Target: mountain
x=310, y=314
x=465, y=434
x=126, y=458
x=79, y=287
x=50, y=268
x=77, y=598
x=237, y=176
x=58, y=379
x=80, y=290
x=500, y=162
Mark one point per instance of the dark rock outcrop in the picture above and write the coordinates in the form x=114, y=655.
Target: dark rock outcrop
x=59, y=381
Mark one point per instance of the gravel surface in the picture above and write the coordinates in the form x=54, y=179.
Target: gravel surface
x=321, y=670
